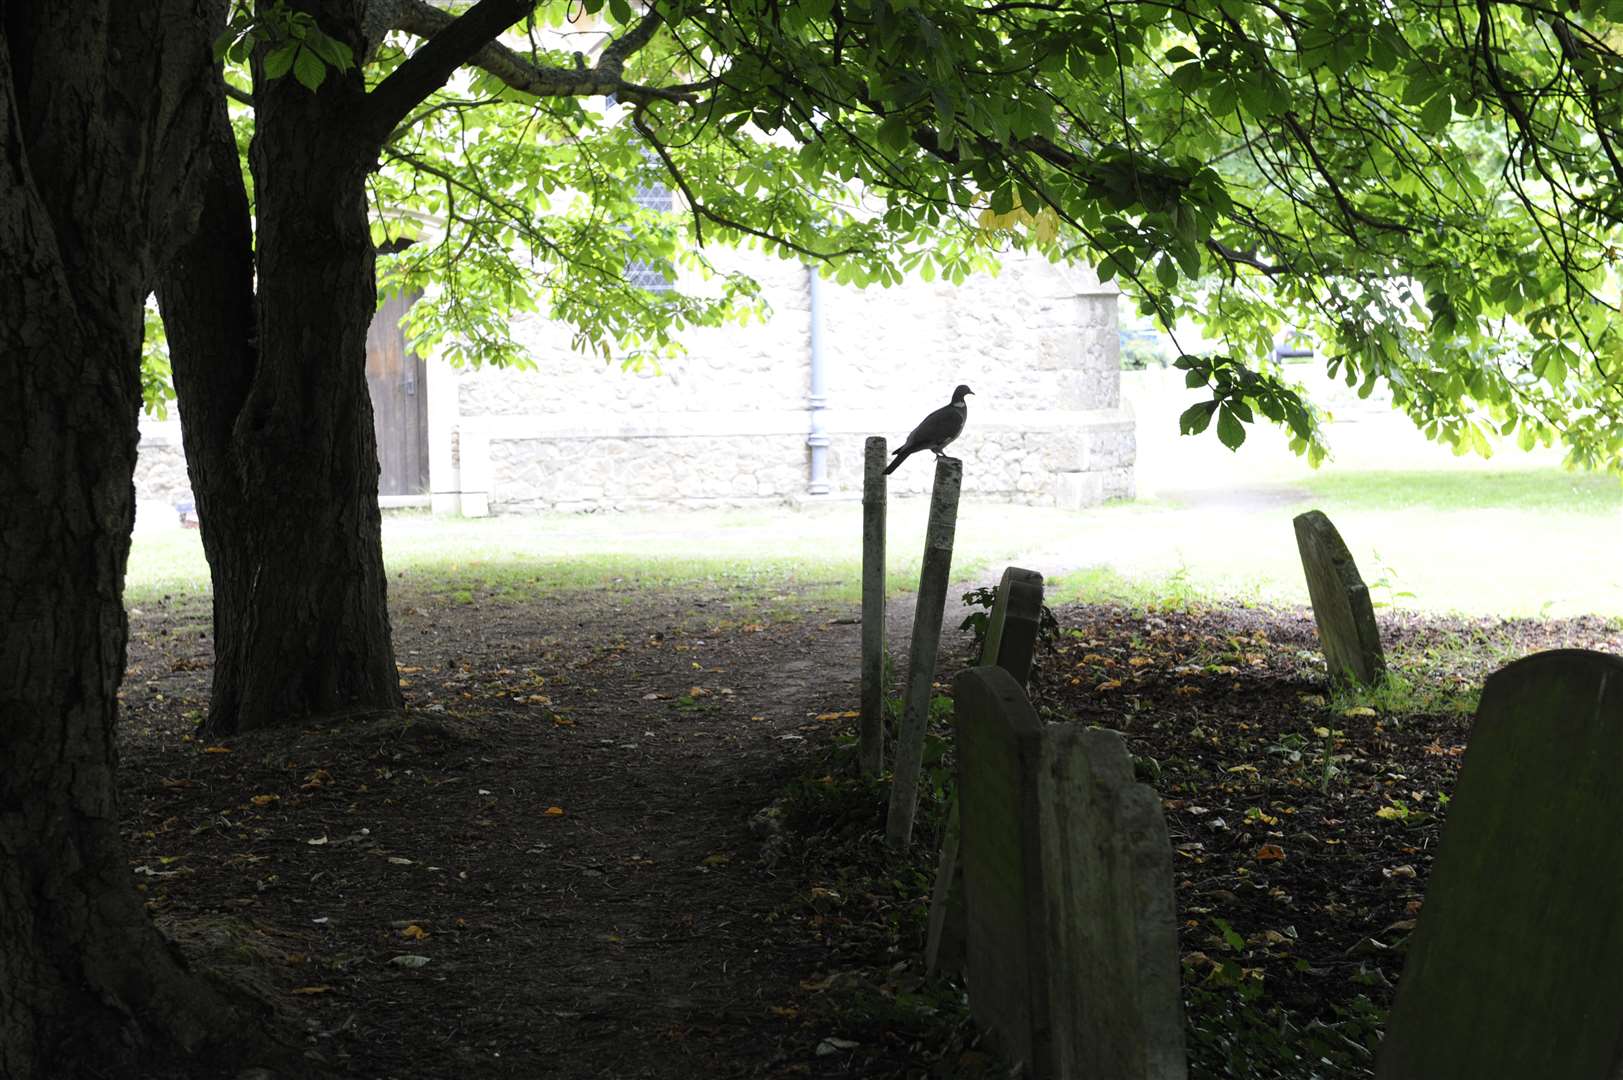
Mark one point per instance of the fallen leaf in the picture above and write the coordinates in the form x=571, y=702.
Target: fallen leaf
x=1270, y=853
x=562, y=721
x=554, y=811
x=317, y=842
x=264, y=800
x=415, y=932
x=311, y=990
x=718, y=859
x=1398, y=872
x=1109, y=684
x=832, y=1045
x=1139, y=661
x=1360, y=710
x=409, y=961
x=216, y=749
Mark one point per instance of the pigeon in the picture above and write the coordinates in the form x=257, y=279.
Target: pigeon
x=937, y=430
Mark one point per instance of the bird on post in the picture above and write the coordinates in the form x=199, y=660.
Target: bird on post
x=936, y=430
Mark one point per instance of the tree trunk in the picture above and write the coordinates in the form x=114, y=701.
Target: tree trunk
x=278, y=421
x=98, y=128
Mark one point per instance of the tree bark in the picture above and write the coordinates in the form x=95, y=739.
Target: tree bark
x=98, y=125
x=273, y=397
x=267, y=339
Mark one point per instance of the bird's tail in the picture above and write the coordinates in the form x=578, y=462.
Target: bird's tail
x=901, y=456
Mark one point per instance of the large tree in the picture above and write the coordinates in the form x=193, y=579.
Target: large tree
x=99, y=129
x=1436, y=188
x=1431, y=190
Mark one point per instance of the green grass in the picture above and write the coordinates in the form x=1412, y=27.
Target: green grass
x=1534, y=542
x=775, y=556
x=1530, y=542
x=1526, y=491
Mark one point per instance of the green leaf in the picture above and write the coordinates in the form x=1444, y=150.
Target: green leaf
x=1437, y=112
x=1178, y=54
x=309, y=70
x=280, y=59
x=620, y=11
x=1230, y=432
x=1195, y=418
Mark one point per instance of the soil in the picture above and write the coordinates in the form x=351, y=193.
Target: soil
x=614, y=834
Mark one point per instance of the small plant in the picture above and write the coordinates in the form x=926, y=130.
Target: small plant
x=1381, y=591
x=978, y=622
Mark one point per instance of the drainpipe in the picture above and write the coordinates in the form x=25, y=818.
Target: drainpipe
x=817, y=401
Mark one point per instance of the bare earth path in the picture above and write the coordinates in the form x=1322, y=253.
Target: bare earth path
x=560, y=824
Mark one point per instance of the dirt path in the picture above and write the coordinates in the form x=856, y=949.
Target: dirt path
x=561, y=824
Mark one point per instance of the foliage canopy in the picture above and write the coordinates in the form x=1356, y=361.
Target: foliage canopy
x=1433, y=191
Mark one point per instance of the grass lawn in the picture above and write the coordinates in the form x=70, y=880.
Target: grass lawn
x=1541, y=542
x=1510, y=542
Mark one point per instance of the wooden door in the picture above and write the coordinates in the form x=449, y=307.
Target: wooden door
x=397, y=379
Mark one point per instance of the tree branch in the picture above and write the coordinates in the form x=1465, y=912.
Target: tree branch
x=426, y=70
x=607, y=76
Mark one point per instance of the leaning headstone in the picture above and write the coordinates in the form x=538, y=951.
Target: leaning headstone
x=998, y=736
x=1341, y=604
x=1011, y=644
x=1072, y=958
x=1515, y=970
x=1011, y=631
x=1114, y=976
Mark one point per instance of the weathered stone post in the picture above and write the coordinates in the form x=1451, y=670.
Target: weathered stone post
x=871, y=749
x=927, y=615
x=1011, y=644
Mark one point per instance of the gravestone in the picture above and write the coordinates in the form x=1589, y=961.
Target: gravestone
x=1072, y=957
x=1515, y=970
x=1115, y=982
x=998, y=737
x=1341, y=605
x=1011, y=630
x=1011, y=644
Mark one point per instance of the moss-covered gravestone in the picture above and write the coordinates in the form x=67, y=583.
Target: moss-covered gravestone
x=1011, y=644
x=998, y=737
x=1515, y=971
x=1112, y=942
x=1072, y=930
x=1341, y=605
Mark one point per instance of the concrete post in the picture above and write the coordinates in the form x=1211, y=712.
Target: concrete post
x=871, y=749
x=927, y=615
